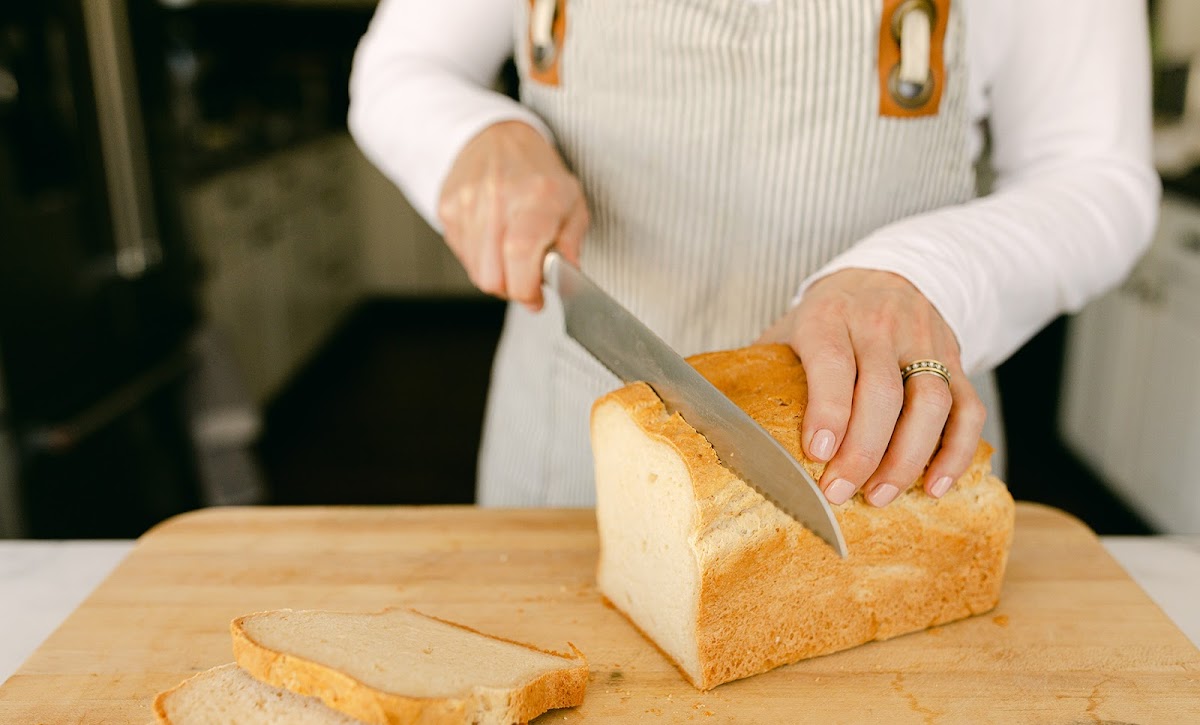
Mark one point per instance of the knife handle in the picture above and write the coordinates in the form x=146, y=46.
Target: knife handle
x=550, y=266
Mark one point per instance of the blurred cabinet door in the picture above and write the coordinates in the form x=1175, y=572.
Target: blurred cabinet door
x=402, y=255
x=1131, y=405
x=281, y=242
x=1105, y=381
x=11, y=524
x=1170, y=460
x=1169, y=479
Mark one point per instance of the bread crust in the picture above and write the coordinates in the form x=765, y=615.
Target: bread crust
x=160, y=701
x=340, y=691
x=162, y=716
x=771, y=591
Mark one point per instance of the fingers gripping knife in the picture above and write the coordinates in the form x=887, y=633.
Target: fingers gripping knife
x=634, y=353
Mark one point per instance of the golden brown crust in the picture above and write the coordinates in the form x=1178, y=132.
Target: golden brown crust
x=551, y=690
x=160, y=702
x=771, y=591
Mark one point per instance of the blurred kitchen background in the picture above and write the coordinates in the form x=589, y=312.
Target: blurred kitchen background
x=208, y=296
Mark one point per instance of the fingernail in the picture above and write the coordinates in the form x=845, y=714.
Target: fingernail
x=940, y=487
x=822, y=445
x=882, y=495
x=839, y=491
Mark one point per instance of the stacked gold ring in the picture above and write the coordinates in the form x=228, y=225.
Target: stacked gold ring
x=925, y=367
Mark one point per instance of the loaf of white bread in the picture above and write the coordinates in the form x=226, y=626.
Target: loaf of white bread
x=728, y=586
x=396, y=666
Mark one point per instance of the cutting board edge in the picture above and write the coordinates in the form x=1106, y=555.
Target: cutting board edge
x=197, y=515
x=1054, y=511
x=188, y=518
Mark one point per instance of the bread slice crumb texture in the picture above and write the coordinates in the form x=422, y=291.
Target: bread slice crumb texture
x=400, y=651
x=226, y=695
x=650, y=564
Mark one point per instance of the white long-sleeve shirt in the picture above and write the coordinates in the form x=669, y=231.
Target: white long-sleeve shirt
x=1063, y=86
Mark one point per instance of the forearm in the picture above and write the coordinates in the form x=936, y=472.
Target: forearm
x=999, y=268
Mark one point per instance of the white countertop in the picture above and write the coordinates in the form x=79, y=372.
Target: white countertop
x=41, y=582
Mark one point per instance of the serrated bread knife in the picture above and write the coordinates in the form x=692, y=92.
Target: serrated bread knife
x=634, y=353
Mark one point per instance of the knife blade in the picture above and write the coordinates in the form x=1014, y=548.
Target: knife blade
x=634, y=353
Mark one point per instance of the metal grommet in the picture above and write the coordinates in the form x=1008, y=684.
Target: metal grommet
x=543, y=56
x=908, y=6
x=543, y=45
x=909, y=95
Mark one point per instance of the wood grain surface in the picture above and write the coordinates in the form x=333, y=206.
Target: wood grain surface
x=1074, y=640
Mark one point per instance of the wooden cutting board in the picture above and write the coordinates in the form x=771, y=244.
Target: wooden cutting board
x=1073, y=640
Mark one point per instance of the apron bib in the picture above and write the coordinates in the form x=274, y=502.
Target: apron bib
x=728, y=149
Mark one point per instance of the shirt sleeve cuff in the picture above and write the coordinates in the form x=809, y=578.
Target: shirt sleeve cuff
x=446, y=125
x=921, y=271
x=427, y=189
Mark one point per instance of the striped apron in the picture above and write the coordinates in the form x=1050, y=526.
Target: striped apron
x=727, y=149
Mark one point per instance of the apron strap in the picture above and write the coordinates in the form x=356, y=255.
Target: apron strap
x=541, y=32
x=547, y=31
x=911, y=68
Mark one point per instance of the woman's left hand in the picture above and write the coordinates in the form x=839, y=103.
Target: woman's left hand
x=853, y=331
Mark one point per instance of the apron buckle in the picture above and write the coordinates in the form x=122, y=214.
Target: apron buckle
x=911, y=66
x=547, y=26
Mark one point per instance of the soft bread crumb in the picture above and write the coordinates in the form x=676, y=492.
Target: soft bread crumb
x=726, y=584
x=226, y=695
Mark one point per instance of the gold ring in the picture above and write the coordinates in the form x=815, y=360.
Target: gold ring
x=925, y=367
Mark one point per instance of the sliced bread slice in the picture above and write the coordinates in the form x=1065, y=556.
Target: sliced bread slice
x=403, y=666
x=226, y=695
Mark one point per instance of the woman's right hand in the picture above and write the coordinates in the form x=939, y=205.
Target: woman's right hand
x=507, y=200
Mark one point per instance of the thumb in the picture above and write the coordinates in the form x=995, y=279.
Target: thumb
x=778, y=332
x=782, y=330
